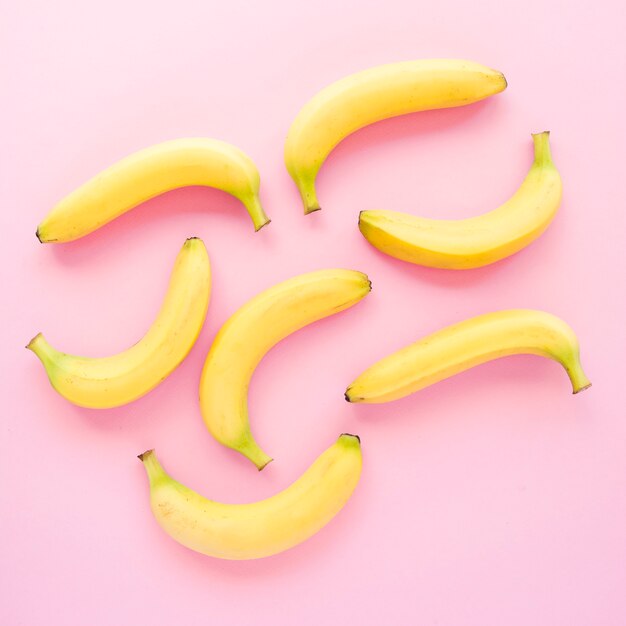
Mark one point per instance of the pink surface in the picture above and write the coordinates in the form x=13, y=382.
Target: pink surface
x=493, y=498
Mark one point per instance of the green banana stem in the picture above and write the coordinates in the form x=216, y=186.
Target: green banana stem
x=152, y=466
x=306, y=186
x=251, y=450
x=543, y=156
x=580, y=382
x=44, y=351
x=256, y=212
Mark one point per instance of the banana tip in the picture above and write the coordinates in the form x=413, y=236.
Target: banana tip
x=263, y=465
x=29, y=345
x=580, y=389
x=351, y=435
x=351, y=398
x=38, y=235
x=258, y=227
x=145, y=454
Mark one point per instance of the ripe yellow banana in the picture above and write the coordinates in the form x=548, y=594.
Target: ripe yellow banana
x=115, y=380
x=247, y=336
x=476, y=241
x=258, y=529
x=376, y=94
x=149, y=173
x=474, y=341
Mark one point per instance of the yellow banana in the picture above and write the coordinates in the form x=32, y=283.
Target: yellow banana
x=107, y=382
x=246, y=337
x=476, y=241
x=373, y=95
x=149, y=173
x=258, y=529
x=461, y=346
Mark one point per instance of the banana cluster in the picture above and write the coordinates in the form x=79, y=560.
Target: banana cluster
x=260, y=529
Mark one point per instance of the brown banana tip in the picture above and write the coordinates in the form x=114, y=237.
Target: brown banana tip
x=143, y=454
x=581, y=389
x=262, y=467
x=258, y=228
x=351, y=435
x=29, y=346
x=37, y=235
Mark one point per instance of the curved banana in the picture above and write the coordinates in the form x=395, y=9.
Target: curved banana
x=115, y=380
x=461, y=346
x=258, y=529
x=476, y=241
x=149, y=173
x=247, y=336
x=376, y=94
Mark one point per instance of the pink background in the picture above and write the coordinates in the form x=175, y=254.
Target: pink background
x=494, y=498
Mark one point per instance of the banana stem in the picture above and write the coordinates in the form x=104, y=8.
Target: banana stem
x=543, y=155
x=256, y=212
x=306, y=186
x=152, y=466
x=252, y=451
x=44, y=351
x=580, y=382
x=350, y=441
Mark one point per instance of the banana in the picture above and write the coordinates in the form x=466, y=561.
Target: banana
x=476, y=241
x=461, y=346
x=373, y=95
x=149, y=173
x=115, y=380
x=258, y=529
x=246, y=337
